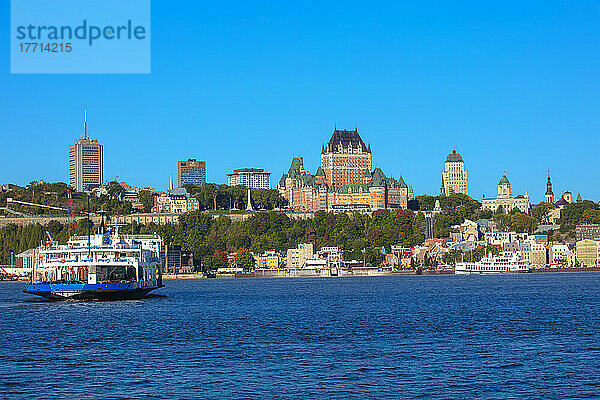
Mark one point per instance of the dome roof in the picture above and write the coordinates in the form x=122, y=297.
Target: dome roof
x=454, y=157
x=504, y=181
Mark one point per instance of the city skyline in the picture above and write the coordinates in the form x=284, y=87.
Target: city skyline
x=165, y=186
x=270, y=83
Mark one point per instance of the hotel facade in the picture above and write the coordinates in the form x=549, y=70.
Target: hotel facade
x=254, y=178
x=344, y=181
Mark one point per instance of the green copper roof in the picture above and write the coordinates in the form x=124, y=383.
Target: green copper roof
x=354, y=188
x=454, y=157
x=295, y=167
x=282, y=180
x=401, y=182
x=504, y=181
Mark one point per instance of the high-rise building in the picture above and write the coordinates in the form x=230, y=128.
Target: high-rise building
x=191, y=172
x=86, y=163
x=345, y=159
x=454, y=175
x=255, y=178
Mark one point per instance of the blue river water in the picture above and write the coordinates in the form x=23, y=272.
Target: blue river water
x=496, y=337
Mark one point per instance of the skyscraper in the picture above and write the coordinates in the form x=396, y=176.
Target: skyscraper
x=86, y=162
x=191, y=172
x=454, y=175
x=345, y=159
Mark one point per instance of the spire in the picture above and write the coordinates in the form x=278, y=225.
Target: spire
x=549, y=197
x=85, y=136
x=171, y=183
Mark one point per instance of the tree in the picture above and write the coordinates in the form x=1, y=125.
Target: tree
x=243, y=259
x=147, y=200
x=115, y=190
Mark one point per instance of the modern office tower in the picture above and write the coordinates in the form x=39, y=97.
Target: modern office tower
x=454, y=175
x=255, y=178
x=86, y=165
x=191, y=172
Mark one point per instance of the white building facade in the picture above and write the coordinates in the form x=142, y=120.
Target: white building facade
x=254, y=178
x=454, y=175
x=505, y=201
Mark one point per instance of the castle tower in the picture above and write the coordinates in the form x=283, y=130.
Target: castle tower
x=345, y=158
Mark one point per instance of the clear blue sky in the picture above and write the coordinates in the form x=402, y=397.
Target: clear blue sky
x=513, y=86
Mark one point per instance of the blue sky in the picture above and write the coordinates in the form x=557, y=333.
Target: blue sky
x=511, y=86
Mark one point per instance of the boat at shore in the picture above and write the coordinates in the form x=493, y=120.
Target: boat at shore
x=104, y=266
x=508, y=263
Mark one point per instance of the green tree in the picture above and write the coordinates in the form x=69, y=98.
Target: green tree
x=243, y=259
x=147, y=200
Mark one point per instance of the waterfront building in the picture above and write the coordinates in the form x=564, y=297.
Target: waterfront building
x=255, y=178
x=187, y=262
x=298, y=256
x=172, y=258
x=191, y=172
x=587, y=251
x=454, y=175
x=86, y=162
x=505, y=201
x=268, y=260
x=587, y=231
x=345, y=158
x=344, y=183
x=23, y=263
x=558, y=253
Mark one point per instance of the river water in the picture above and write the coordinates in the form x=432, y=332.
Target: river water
x=509, y=336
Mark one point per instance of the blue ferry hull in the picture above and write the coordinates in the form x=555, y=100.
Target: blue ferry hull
x=85, y=291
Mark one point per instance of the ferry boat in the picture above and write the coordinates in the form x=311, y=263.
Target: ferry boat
x=104, y=266
x=507, y=263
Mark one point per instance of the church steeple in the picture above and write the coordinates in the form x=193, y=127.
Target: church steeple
x=549, y=198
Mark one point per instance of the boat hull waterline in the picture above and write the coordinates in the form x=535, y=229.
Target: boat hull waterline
x=84, y=291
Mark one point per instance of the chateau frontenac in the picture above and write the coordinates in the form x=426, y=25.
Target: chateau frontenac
x=344, y=181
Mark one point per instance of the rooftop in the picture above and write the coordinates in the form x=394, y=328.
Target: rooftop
x=454, y=157
x=345, y=138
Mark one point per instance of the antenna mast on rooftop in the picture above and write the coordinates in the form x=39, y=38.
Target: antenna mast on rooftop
x=85, y=136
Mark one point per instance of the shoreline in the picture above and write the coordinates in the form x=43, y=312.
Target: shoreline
x=390, y=273
x=374, y=274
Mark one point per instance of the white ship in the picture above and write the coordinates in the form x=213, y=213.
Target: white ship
x=101, y=266
x=508, y=263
